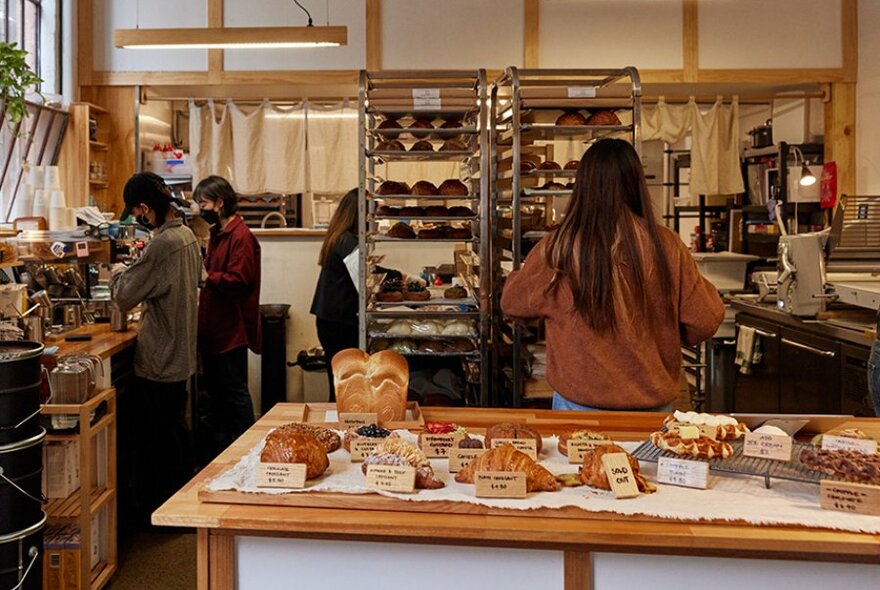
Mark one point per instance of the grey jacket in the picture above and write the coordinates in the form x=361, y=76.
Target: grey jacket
x=166, y=280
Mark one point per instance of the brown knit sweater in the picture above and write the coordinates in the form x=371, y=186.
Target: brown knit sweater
x=638, y=365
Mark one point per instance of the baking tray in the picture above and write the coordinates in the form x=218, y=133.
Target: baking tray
x=421, y=156
x=466, y=301
x=423, y=240
x=393, y=314
x=436, y=133
x=316, y=413
x=468, y=197
x=425, y=218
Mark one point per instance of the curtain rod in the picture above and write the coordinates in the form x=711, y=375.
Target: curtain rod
x=751, y=99
x=250, y=100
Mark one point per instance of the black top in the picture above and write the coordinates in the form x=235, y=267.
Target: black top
x=336, y=298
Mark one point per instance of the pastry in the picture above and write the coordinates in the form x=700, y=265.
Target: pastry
x=571, y=165
x=453, y=188
x=421, y=124
x=296, y=447
x=389, y=124
x=604, y=118
x=401, y=230
x=431, y=234
x=455, y=292
x=443, y=428
x=553, y=186
x=366, y=383
x=369, y=431
x=386, y=211
x=412, y=212
x=470, y=443
x=328, y=438
x=390, y=145
x=461, y=211
x=845, y=433
x=453, y=145
x=436, y=211
x=459, y=233
x=593, y=474
x=848, y=465
x=562, y=446
x=700, y=448
x=416, y=292
x=549, y=165
x=728, y=428
x=451, y=124
x=399, y=328
x=396, y=451
x=570, y=119
x=425, y=189
x=511, y=430
x=390, y=187
x=389, y=296
x=507, y=458
x=527, y=166
x=458, y=328
x=422, y=146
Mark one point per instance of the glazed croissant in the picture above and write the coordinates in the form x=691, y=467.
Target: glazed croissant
x=593, y=470
x=396, y=451
x=328, y=438
x=285, y=446
x=506, y=458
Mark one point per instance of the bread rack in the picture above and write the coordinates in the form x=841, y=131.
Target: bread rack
x=435, y=95
x=524, y=107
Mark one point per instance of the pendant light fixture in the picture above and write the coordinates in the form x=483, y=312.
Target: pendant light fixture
x=233, y=37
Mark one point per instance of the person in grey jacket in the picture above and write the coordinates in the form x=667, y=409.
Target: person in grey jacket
x=165, y=281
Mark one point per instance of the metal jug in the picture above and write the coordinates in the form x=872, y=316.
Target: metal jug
x=94, y=362
x=118, y=319
x=71, y=382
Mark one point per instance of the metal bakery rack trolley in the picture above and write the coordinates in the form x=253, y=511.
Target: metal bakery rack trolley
x=527, y=124
x=454, y=103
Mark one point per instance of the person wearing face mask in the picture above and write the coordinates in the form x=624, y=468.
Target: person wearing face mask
x=165, y=282
x=229, y=317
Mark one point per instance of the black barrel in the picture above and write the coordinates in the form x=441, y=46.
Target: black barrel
x=19, y=390
x=21, y=557
x=273, y=360
x=21, y=470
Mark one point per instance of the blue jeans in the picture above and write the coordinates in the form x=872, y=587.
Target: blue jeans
x=874, y=376
x=562, y=403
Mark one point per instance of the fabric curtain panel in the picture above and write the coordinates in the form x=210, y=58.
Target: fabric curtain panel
x=332, y=146
x=210, y=141
x=667, y=122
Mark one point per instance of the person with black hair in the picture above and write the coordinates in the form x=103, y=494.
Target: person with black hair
x=229, y=317
x=165, y=282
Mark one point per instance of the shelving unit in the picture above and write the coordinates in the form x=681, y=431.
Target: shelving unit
x=448, y=96
x=525, y=106
x=81, y=148
x=96, y=497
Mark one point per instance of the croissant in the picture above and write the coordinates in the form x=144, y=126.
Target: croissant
x=296, y=447
x=593, y=470
x=396, y=451
x=328, y=438
x=506, y=458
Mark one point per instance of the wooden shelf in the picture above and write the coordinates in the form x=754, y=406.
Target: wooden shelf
x=69, y=508
x=98, y=183
x=99, y=146
x=101, y=574
x=12, y=264
x=96, y=108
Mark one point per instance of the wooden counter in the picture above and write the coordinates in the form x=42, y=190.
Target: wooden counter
x=577, y=536
x=103, y=344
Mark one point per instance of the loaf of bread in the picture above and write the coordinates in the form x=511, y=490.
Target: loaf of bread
x=387, y=211
x=391, y=187
x=549, y=165
x=401, y=230
x=452, y=124
x=422, y=146
x=436, y=211
x=571, y=119
x=461, y=211
x=424, y=188
x=376, y=383
x=527, y=166
x=390, y=145
x=604, y=118
x=421, y=124
x=453, y=145
x=571, y=165
x=453, y=188
x=511, y=430
x=389, y=124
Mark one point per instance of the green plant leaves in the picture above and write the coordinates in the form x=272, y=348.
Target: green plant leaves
x=16, y=79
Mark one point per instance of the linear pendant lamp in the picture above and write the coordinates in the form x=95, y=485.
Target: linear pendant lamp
x=231, y=37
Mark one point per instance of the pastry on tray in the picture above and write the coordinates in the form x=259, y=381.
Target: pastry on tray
x=396, y=451
x=571, y=119
x=698, y=448
x=401, y=230
x=421, y=124
x=527, y=166
x=453, y=145
x=391, y=187
x=455, y=292
x=506, y=458
x=328, y=438
x=571, y=165
x=423, y=188
x=416, y=291
x=461, y=211
x=728, y=428
x=549, y=165
x=371, y=383
x=562, y=445
x=453, y=188
x=851, y=466
x=422, y=146
x=369, y=431
x=390, y=145
x=511, y=430
x=389, y=124
x=412, y=211
x=593, y=474
x=387, y=211
x=285, y=446
x=603, y=118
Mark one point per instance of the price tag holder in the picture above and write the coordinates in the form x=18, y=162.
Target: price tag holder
x=849, y=497
x=578, y=447
x=357, y=419
x=581, y=92
x=843, y=443
x=426, y=99
x=461, y=458
x=500, y=484
x=438, y=446
x=620, y=475
x=281, y=475
x=683, y=472
x=362, y=447
x=529, y=446
x=391, y=478
x=767, y=446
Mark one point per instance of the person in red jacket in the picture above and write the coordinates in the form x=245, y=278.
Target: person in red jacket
x=229, y=317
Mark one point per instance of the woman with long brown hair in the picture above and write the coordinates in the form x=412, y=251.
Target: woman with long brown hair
x=335, y=304
x=618, y=292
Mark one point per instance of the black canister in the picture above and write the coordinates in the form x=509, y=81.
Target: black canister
x=21, y=495
x=21, y=557
x=20, y=375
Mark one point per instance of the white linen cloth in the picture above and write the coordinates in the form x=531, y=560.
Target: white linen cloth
x=210, y=141
x=332, y=146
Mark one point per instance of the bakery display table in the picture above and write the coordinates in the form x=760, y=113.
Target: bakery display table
x=338, y=540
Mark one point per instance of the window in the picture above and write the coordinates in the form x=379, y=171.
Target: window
x=35, y=26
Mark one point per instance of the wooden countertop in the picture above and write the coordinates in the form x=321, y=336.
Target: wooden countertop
x=103, y=344
x=292, y=232
x=581, y=531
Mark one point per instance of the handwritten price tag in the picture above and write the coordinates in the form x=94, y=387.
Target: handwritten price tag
x=437, y=446
x=281, y=475
x=620, y=475
x=842, y=443
x=391, y=478
x=500, y=484
x=767, y=446
x=362, y=447
x=849, y=497
x=682, y=472
x=357, y=419
x=529, y=446
x=577, y=447
x=461, y=458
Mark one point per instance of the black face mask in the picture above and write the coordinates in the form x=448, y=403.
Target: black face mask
x=142, y=219
x=210, y=216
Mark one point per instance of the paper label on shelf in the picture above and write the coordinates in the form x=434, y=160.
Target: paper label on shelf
x=682, y=472
x=849, y=497
x=581, y=92
x=357, y=419
x=425, y=93
x=82, y=249
x=461, y=458
x=529, y=446
x=577, y=447
x=767, y=446
x=843, y=443
x=438, y=446
x=620, y=475
x=391, y=478
x=361, y=447
x=281, y=475
x=500, y=484
x=426, y=98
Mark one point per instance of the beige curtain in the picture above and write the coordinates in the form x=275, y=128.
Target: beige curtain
x=332, y=146
x=210, y=141
x=666, y=122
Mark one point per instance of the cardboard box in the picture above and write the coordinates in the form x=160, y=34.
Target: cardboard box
x=61, y=468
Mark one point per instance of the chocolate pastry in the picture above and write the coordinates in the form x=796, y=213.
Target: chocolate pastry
x=461, y=211
x=412, y=212
x=470, y=443
x=401, y=230
x=571, y=119
x=604, y=118
x=453, y=188
x=390, y=145
x=422, y=146
x=387, y=211
x=415, y=291
x=527, y=166
x=425, y=189
x=391, y=187
x=453, y=145
x=549, y=165
x=436, y=211
x=391, y=290
x=848, y=465
x=455, y=293
x=571, y=165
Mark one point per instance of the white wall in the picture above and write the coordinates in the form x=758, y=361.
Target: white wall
x=868, y=100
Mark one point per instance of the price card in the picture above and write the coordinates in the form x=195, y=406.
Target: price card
x=82, y=249
x=281, y=475
x=529, y=446
x=682, y=472
x=391, y=478
x=581, y=92
x=620, y=475
x=357, y=419
x=500, y=484
x=426, y=99
x=425, y=93
x=709, y=431
x=843, y=443
x=767, y=446
x=437, y=446
x=849, y=497
x=461, y=458
x=577, y=447
x=362, y=447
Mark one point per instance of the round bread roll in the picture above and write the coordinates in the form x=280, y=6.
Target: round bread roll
x=422, y=146
x=604, y=118
x=453, y=188
x=386, y=211
x=425, y=189
x=390, y=145
x=451, y=124
x=453, y=145
x=412, y=212
x=571, y=165
x=436, y=211
x=549, y=165
x=570, y=119
x=389, y=124
x=421, y=124
x=401, y=230
x=455, y=292
x=461, y=211
x=553, y=186
x=459, y=233
x=416, y=292
x=527, y=166
x=389, y=296
x=391, y=187
x=511, y=430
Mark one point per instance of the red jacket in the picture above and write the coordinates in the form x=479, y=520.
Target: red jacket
x=229, y=303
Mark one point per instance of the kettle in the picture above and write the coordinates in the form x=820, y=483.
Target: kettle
x=94, y=362
x=72, y=382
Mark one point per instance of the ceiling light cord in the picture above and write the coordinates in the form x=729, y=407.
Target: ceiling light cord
x=304, y=10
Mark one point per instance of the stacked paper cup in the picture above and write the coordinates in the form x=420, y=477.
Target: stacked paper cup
x=24, y=203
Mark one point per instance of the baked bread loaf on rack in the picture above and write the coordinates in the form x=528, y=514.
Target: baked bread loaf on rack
x=549, y=165
x=285, y=446
x=453, y=188
x=453, y=145
x=391, y=187
x=571, y=165
x=401, y=230
x=593, y=474
x=604, y=118
x=507, y=458
x=422, y=146
x=425, y=188
x=396, y=451
x=389, y=124
x=571, y=119
x=376, y=383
